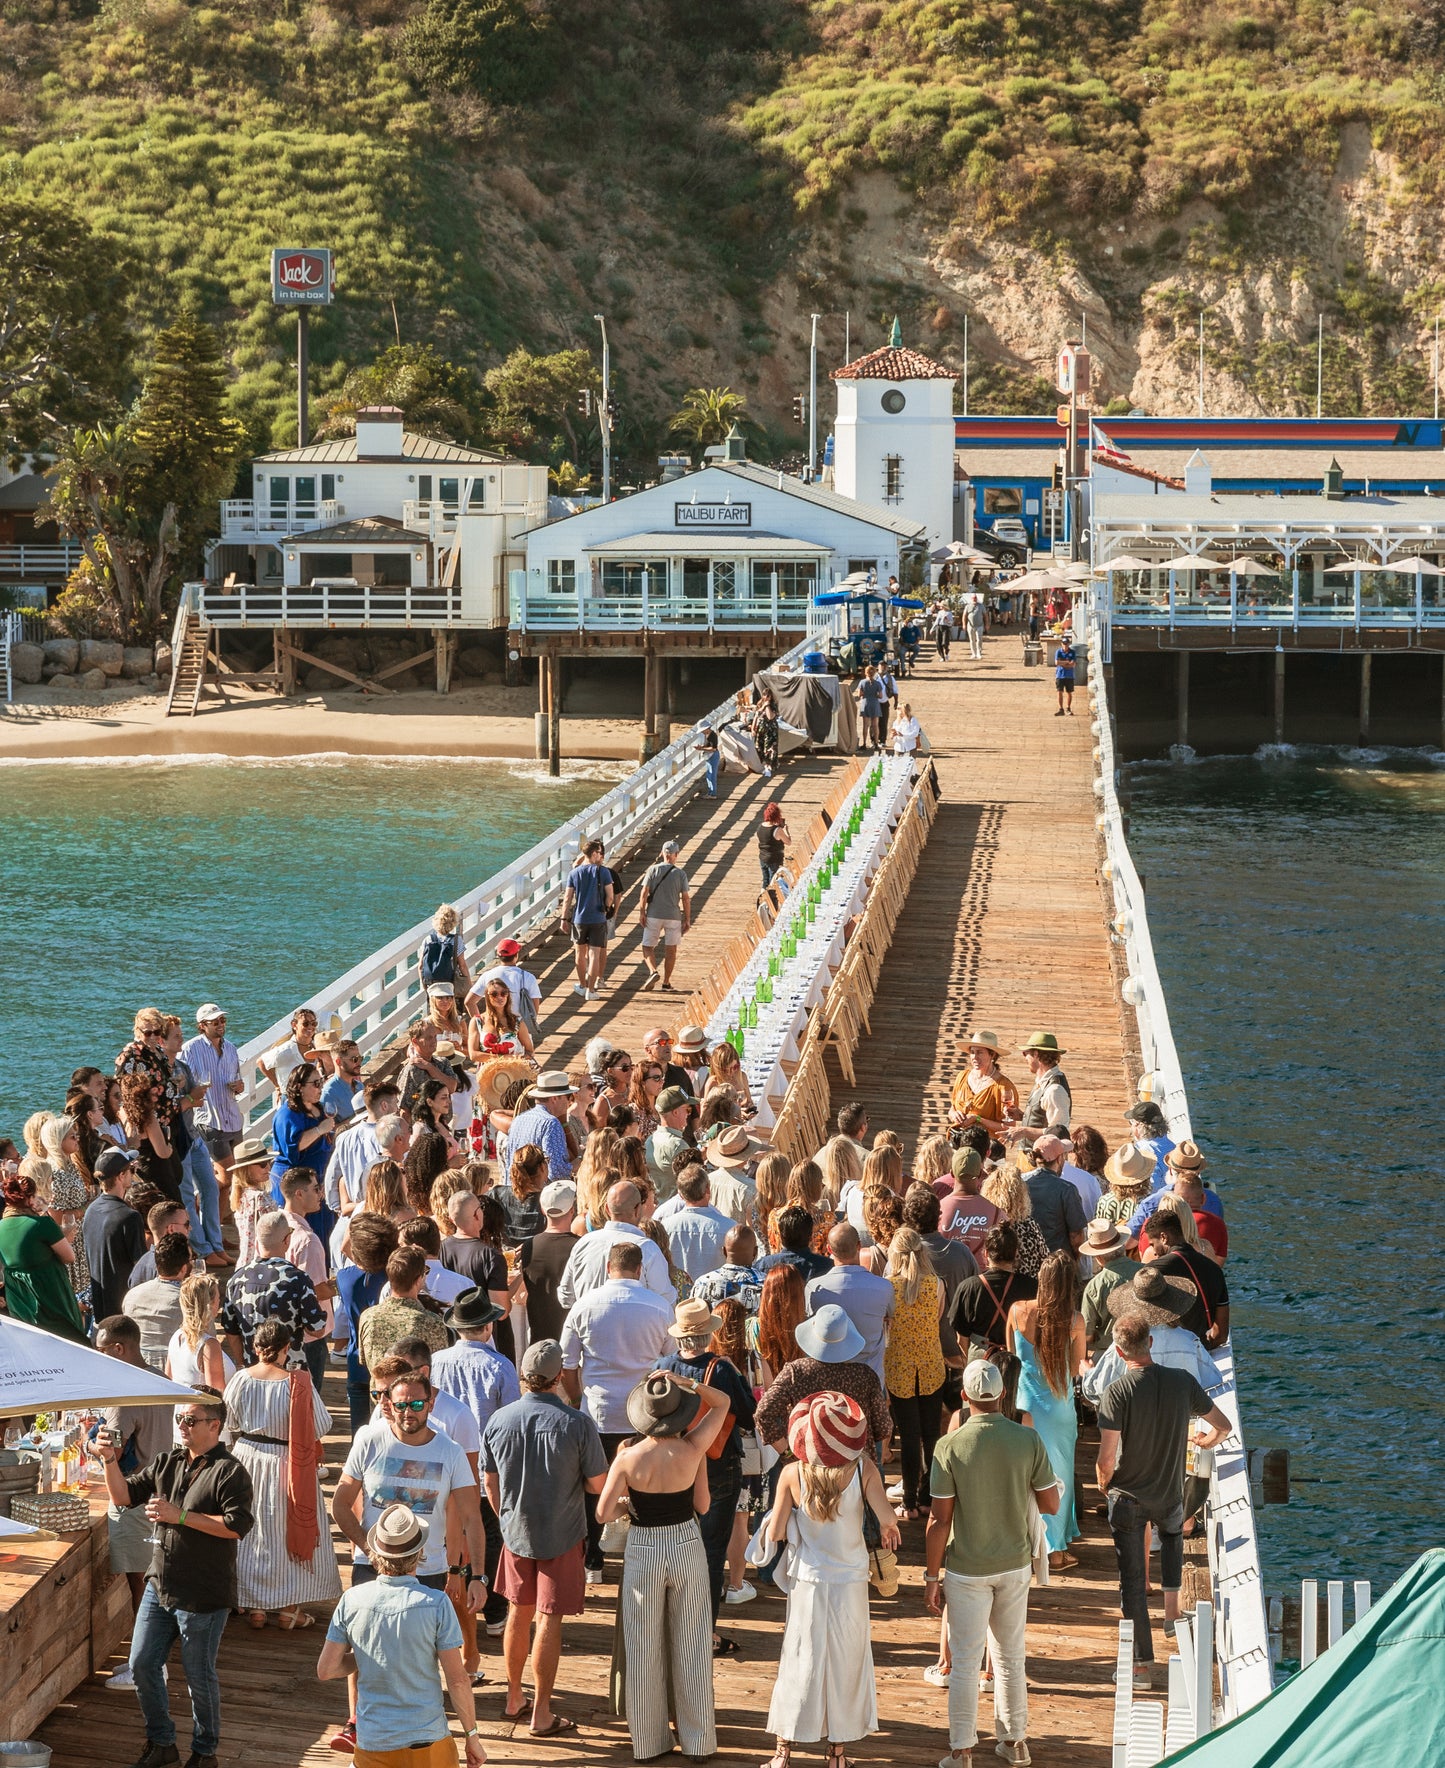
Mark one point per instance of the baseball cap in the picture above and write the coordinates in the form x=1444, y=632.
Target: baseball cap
x=982, y=1381
x=670, y=1098
x=508, y=948
x=542, y=1361
x=967, y=1163
x=558, y=1197
x=209, y=1011
x=112, y=1161
x=1146, y=1112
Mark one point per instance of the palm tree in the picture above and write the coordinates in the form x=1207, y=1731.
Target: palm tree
x=708, y=413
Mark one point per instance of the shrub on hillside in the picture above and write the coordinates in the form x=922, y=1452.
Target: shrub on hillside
x=507, y=50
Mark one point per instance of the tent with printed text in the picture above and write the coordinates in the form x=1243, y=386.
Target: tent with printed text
x=42, y=1373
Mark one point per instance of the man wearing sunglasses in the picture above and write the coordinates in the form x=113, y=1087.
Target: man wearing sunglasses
x=199, y=1501
x=400, y=1459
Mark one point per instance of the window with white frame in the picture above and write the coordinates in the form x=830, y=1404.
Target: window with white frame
x=796, y=577
x=562, y=577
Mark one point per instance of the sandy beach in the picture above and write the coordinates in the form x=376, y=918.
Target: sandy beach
x=488, y=721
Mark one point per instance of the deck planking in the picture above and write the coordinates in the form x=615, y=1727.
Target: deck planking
x=1004, y=928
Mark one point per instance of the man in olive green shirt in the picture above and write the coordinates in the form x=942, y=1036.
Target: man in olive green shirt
x=1104, y=1243
x=983, y=1476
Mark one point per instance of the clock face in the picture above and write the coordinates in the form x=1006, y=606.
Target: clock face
x=893, y=400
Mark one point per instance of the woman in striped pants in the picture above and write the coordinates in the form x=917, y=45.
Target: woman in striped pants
x=664, y=1604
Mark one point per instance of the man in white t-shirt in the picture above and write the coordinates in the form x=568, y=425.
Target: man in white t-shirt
x=441, y=1284
x=400, y=1458
x=279, y=1063
x=525, y=990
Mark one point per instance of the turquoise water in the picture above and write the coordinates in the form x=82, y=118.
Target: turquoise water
x=253, y=884
x=1296, y=909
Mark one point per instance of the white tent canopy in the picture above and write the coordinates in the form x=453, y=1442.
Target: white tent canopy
x=42, y=1373
x=1414, y=567
x=956, y=553
x=1126, y=562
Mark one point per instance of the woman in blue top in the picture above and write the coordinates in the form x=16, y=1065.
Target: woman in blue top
x=302, y=1132
x=1064, y=676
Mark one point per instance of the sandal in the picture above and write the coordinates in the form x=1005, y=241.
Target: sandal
x=256, y=1617
x=781, y=1756
x=521, y=1712
x=724, y=1647
x=555, y=1729
x=295, y=1620
x=1062, y=1562
x=836, y=1756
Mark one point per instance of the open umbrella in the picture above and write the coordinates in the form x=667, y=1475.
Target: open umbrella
x=1191, y=562
x=42, y=1373
x=1125, y=562
x=1244, y=566
x=1415, y=567
x=956, y=553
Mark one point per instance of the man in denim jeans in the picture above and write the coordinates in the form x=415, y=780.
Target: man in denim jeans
x=1144, y=1419
x=983, y=1474
x=198, y=1498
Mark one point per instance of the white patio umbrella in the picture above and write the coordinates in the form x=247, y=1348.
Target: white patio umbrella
x=1191, y=562
x=1041, y=580
x=956, y=553
x=42, y=1373
x=1244, y=566
x=1125, y=562
x=1413, y=567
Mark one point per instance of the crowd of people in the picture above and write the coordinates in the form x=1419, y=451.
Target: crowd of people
x=592, y=1311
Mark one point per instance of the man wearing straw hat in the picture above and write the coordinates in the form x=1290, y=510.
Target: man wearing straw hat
x=393, y=1634
x=1050, y=1104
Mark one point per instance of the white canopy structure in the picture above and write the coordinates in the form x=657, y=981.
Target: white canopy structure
x=42, y=1373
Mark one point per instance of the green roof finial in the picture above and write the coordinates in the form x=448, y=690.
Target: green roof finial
x=895, y=337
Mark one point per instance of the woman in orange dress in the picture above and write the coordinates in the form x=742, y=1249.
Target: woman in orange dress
x=982, y=1092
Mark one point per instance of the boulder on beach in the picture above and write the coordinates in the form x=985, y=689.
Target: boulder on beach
x=62, y=654
x=138, y=660
x=27, y=662
x=92, y=680
x=64, y=682
x=163, y=661
x=102, y=654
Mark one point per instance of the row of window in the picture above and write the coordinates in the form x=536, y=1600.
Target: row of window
x=287, y=491
x=626, y=577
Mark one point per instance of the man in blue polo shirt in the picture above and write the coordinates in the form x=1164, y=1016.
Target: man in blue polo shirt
x=586, y=910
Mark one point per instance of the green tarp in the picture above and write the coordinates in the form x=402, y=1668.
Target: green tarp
x=1378, y=1696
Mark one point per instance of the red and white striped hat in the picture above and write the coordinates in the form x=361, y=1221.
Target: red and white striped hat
x=828, y=1430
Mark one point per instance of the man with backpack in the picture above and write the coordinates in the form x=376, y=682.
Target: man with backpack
x=443, y=958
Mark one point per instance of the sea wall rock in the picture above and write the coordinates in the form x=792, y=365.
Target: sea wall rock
x=102, y=654
x=139, y=660
x=92, y=680
x=163, y=662
x=62, y=653
x=27, y=662
x=64, y=682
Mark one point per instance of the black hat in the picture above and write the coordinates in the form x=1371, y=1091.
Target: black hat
x=1146, y=1111
x=473, y=1309
x=111, y=1163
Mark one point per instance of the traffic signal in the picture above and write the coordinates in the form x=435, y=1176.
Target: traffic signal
x=584, y=401
x=1056, y=477
x=800, y=409
x=611, y=408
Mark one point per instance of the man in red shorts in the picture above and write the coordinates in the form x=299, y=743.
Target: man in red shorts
x=539, y=1455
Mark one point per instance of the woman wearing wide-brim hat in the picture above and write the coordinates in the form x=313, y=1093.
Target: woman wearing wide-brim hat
x=1130, y=1172
x=495, y=1079
x=982, y=1092
x=825, y=1686
x=1152, y=1296
x=664, y=1635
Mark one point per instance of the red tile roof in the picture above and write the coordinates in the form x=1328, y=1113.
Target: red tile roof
x=894, y=362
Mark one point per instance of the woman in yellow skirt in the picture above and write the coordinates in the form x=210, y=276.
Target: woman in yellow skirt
x=983, y=1093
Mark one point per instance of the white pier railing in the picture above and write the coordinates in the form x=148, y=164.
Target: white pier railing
x=1241, y=1632
x=376, y=999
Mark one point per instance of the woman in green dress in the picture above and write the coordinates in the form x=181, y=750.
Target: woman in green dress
x=37, y=1256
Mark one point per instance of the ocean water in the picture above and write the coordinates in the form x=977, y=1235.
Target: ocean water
x=1296, y=906
x=171, y=882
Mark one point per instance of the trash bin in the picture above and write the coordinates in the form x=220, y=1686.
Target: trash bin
x=1032, y=654
x=25, y=1755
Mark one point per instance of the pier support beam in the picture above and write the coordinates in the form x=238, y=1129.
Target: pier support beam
x=666, y=697
x=1279, y=696
x=554, y=714
x=650, y=663
x=446, y=647
x=1181, y=698
x=541, y=718
x=285, y=661
x=1365, y=657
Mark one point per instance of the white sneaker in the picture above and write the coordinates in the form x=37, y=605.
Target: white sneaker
x=123, y=1678
x=895, y=1492
x=744, y=1593
x=594, y=1574
x=936, y=1675
x=653, y=980
x=591, y=994
x=495, y=1629
x=577, y=988
x=767, y=773
x=1017, y=1753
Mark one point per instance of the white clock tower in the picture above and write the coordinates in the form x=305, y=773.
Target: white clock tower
x=893, y=436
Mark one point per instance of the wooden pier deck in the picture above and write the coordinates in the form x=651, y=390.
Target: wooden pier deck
x=1005, y=929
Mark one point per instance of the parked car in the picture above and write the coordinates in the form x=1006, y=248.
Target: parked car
x=1007, y=542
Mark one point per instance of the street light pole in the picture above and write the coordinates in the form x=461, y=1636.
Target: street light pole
x=813, y=402
x=605, y=415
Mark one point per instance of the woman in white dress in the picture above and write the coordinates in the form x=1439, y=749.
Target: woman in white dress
x=825, y=1686
x=278, y=1422
x=194, y=1355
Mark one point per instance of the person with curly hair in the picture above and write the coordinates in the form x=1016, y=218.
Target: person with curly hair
x=883, y=1217
x=1006, y=1190
x=36, y=1254
x=303, y=1133
x=157, y=1162
x=69, y=1195
x=426, y=1160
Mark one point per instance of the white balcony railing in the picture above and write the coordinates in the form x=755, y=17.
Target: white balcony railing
x=1343, y=600
x=583, y=612
x=329, y=604
x=244, y=519
x=26, y=562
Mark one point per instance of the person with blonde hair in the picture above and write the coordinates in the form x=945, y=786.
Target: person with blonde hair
x=726, y=1070
x=770, y=1181
x=194, y=1355
x=882, y=1217
x=913, y=1368
x=598, y=1170
x=883, y=1165
x=250, y=1197
x=443, y=955
x=69, y=1193
x=1005, y=1189
x=840, y=1160
x=805, y=1191
x=33, y=1163
x=825, y=1687
x=932, y=1162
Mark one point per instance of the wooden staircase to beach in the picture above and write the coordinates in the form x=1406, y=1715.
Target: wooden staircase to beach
x=188, y=667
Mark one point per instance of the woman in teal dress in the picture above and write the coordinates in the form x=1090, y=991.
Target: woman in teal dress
x=37, y=1259
x=1047, y=1337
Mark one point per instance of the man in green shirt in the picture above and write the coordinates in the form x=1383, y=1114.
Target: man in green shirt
x=983, y=1476
x=1105, y=1243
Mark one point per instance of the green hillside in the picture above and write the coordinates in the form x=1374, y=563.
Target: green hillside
x=493, y=172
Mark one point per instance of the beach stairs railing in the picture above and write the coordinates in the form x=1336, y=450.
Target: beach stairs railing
x=9, y=638
x=1309, y=1616
x=190, y=651
x=1146, y=1731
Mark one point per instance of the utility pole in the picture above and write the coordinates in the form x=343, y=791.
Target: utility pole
x=303, y=375
x=848, y=334
x=965, y=365
x=1436, y=376
x=813, y=402
x=604, y=417
x=1201, y=362
x=1320, y=369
